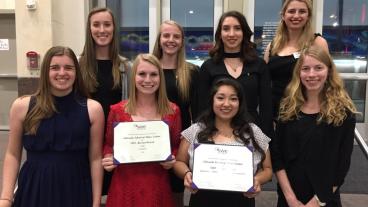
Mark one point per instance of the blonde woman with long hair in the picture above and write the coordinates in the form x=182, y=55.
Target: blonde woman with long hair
x=314, y=134
x=180, y=79
x=293, y=33
x=142, y=184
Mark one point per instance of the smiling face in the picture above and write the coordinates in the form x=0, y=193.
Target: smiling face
x=225, y=103
x=171, y=39
x=147, y=78
x=61, y=75
x=102, y=28
x=313, y=74
x=296, y=15
x=231, y=34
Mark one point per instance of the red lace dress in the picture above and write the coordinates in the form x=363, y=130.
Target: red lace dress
x=140, y=184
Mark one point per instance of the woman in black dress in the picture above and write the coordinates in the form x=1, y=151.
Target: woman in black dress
x=105, y=72
x=294, y=32
x=234, y=56
x=181, y=78
x=61, y=131
x=314, y=134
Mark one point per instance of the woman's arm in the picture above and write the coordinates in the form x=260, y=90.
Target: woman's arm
x=286, y=188
x=95, y=148
x=107, y=161
x=321, y=42
x=13, y=154
x=262, y=176
x=181, y=166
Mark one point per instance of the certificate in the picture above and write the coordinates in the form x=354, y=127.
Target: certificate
x=223, y=167
x=146, y=141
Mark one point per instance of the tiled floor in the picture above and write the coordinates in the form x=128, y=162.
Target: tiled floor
x=265, y=199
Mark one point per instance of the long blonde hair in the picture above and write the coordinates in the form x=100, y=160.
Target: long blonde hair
x=163, y=104
x=306, y=38
x=88, y=60
x=44, y=106
x=184, y=69
x=335, y=101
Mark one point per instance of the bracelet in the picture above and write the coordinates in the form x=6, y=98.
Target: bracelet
x=186, y=173
x=6, y=199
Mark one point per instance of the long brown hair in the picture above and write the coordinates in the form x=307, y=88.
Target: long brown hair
x=44, y=102
x=184, y=68
x=163, y=104
x=88, y=60
x=248, y=48
x=335, y=101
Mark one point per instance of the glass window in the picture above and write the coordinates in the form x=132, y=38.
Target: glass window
x=196, y=17
x=265, y=22
x=357, y=91
x=345, y=27
x=134, y=27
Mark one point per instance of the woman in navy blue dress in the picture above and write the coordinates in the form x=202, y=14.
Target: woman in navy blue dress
x=61, y=130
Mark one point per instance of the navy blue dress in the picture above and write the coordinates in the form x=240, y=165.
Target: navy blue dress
x=57, y=171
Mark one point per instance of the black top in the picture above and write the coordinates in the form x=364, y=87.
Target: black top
x=255, y=81
x=186, y=107
x=105, y=94
x=321, y=152
x=281, y=70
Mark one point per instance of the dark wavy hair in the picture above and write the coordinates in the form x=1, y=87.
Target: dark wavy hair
x=248, y=48
x=239, y=123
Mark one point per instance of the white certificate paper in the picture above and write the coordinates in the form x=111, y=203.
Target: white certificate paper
x=223, y=167
x=146, y=141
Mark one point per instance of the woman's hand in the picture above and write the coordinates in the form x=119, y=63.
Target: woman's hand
x=295, y=203
x=108, y=163
x=188, y=182
x=167, y=165
x=257, y=189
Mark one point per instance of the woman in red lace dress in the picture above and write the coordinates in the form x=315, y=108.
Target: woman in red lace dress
x=142, y=184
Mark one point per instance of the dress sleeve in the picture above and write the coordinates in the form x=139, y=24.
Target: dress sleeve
x=204, y=86
x=275, y=146
x=265, y=101
x=175, y=130
x=191, y=133
x=109, y=134
x=346, y=149
x=261, y=139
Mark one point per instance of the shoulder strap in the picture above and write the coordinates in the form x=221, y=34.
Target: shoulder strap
x=125, y=71
x=316, y=35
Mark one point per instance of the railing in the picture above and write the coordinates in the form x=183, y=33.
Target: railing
x=361, y=142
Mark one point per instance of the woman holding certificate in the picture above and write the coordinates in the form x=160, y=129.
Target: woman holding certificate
x=61, y=131
x=226, y=122
x=314, y=135
x=145, y=183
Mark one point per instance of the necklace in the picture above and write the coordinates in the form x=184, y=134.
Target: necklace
x=231, y=66
x=232, y=55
